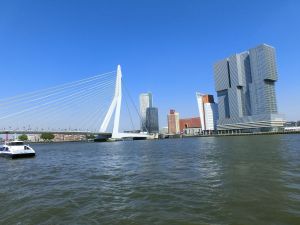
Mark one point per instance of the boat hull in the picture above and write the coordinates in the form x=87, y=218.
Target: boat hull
x=17, y=156
x=102, y=137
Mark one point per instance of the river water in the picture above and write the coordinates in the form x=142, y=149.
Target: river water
x=224, y=180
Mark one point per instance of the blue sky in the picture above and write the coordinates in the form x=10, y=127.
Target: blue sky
x=165, y=47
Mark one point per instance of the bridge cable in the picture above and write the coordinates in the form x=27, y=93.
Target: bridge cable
x=132, y=125
x=55, y=88
x=126, y=90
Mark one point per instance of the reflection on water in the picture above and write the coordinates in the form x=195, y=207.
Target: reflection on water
x=224, y=180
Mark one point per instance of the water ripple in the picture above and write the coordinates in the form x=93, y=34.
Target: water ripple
x=238, y=180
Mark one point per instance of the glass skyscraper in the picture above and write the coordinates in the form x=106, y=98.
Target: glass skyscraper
x=245, y=85
x=145, y=102
x=152, y=120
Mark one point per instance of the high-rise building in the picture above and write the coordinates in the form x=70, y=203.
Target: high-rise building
x=245, y=85
x=152, y=120
x=208, y=111
x=145, y=102
x=173, y=122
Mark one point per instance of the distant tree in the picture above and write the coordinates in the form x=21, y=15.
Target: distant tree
x=23, y=137
x=47, y=136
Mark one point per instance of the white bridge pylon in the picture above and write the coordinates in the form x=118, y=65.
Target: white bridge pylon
x=115, y=107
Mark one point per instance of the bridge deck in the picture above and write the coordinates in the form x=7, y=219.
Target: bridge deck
x=52, y=131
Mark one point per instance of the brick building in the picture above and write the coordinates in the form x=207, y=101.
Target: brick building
x=189, y=123
x=173, y=122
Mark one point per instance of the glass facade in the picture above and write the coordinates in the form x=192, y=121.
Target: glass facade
x=245, y=85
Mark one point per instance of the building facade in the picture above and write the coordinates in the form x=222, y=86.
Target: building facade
x=34, y=137
x=208, y=111
x=152, y=120
x=173, y=122
x=164, y=130
x=185, y=124
x=194, y=131
x=145, y=102
x=245, y=85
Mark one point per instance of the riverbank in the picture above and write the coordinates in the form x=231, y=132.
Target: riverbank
x=177, y=136
x=244, y=134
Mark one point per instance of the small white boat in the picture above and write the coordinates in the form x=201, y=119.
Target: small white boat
x=16, y=149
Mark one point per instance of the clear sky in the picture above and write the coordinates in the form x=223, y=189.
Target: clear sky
x=165, y=47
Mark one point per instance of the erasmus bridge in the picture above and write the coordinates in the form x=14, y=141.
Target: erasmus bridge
x=87, y=106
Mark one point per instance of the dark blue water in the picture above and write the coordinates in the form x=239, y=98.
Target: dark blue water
x=224, y=180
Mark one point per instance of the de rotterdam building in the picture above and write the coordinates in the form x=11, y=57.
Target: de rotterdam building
x=245, y=86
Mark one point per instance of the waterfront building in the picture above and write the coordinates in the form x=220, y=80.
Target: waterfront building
x=173, y=122
x=292, y=129
x=164, y=130
x=192, y=131
x=290, y=124
x=34, y=137
x=208, y=111
x=190, y=126
x=245, y=85
x=152, y=120
x=69, y=137
x=145, y=102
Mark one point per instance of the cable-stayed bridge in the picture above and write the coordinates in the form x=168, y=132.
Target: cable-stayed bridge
x=87, y=106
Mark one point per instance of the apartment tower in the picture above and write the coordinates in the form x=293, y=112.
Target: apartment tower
x=245, y=85
x=173, y=122
x=208, y=111
x=145, y=102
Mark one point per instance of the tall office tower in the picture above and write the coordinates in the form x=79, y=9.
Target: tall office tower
x=208, y=111
x=152, y=120
x=145, y=102
x=245, y=84
x=173, y=122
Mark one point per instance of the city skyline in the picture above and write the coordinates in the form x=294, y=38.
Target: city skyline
x=149, y=112
x=158, y=42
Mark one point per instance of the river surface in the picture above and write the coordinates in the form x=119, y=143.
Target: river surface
x=225, y=180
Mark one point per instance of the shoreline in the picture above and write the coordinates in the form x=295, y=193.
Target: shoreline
x=244, y=134
x=178, y=137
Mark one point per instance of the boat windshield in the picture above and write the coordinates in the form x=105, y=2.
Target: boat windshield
x=15, y=143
